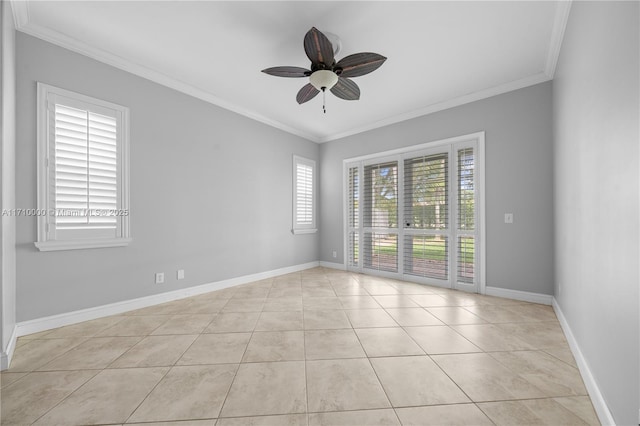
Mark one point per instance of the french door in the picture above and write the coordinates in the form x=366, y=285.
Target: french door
x=415, y=215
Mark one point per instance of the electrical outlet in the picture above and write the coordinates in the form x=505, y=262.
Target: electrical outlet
x=159, y=277
x=508, y=218
x=335, y=254
x=180, y=274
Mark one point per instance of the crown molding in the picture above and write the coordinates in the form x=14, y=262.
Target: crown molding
x=557, y=35
x=440, y=106
x=20, y=11
x=82, y=48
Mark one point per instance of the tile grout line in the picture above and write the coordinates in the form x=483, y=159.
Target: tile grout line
x=235, y=375
x=150, y=392
x=315, y=277
x=170, y=368
x=386, y=394
x=304, y=354
x=68, y=396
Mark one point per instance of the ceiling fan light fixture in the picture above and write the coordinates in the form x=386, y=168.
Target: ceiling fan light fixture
x=325, y=72
x=323, y=79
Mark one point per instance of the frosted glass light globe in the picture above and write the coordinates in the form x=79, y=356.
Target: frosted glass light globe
x=323, y=79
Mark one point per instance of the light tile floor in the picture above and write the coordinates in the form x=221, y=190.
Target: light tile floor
x=318, y=347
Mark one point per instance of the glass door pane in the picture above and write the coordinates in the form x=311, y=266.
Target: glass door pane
x=426, y=256
x=380, y=217
x=426, y=216
x=381, y=251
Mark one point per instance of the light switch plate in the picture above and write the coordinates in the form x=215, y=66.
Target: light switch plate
x=508, y=218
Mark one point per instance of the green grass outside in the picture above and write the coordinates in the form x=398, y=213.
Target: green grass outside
x=429, y=252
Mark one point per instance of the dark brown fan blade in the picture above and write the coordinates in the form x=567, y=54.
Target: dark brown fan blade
x=288, y=72
x=307, y=93
x=360, y=64
x=346, y=89
x=318, y=48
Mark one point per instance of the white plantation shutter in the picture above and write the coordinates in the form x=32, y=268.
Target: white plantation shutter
x=426, y=195
x=353, y=221
x=380, y=195
x=84, y=188
x=304, y=219
x=85, y=169
x=304, y=194
x=466, y=219
x=379, y=217
x=426, y=211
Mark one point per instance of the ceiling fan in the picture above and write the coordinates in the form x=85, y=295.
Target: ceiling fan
x=325, y=72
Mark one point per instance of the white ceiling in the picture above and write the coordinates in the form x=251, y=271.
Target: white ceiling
x=440, y=54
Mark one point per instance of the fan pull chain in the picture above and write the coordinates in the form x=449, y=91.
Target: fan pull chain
x=324, y=99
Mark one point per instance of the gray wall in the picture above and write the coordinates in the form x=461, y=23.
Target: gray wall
x=7, y=187
x=518, y=180
x=596, y=137
x=210, y=192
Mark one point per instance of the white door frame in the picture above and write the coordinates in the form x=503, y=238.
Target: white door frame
x=477, y=138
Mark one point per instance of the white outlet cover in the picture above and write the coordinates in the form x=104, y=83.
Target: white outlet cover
x=180, y=274
x=160, y=278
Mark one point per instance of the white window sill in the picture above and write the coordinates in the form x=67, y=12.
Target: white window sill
x=304, y=231
x=82, y=244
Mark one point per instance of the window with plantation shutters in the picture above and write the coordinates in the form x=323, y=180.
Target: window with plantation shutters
x=304, y=215
x=414, y=213
x=82, y=173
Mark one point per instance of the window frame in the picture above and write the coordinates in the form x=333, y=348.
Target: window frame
x=46, y=240
x=305, y=228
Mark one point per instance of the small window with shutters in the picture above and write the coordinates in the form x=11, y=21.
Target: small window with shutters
x=83, y=193
x=304, y=196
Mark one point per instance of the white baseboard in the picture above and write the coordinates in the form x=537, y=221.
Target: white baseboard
x=525, y=296
x=599, y=404
x=5, y=357
x=47, y=323
x=333, y=265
